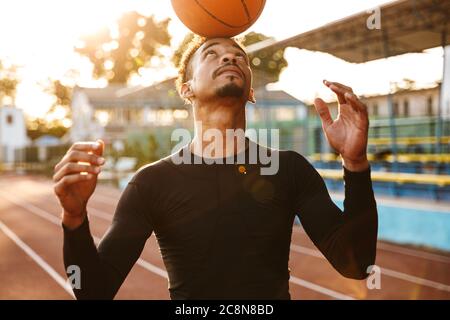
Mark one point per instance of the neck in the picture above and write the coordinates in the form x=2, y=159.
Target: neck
x=219, y=130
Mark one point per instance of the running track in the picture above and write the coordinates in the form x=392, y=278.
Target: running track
x=32, y=266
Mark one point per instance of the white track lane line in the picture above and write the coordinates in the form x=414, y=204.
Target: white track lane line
x=36, y=258
x=312, y=252
x=315, y=287
x=53, y=219
x=384, y=271
x=401, y=250
x=316, y=253
x=106, y=199
x=154, y=269
x=414, y=253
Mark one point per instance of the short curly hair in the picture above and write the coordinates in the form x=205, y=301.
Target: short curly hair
x=184, y=68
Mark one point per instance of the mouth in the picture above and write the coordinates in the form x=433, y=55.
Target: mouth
x=230, y=71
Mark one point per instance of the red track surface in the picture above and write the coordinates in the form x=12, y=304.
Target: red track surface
x=32, y=266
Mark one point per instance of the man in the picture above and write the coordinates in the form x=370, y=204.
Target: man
x=224, y=230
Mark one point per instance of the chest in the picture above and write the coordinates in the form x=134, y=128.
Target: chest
x=229, y=200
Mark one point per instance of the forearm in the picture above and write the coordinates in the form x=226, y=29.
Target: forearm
x=104, y=269
x=79, y=249
x=347, y=239
x=354, y=242
x=359, y=195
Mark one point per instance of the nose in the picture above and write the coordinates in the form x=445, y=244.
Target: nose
x=229, y=57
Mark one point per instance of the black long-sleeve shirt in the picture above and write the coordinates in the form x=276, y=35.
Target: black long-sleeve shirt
x=224, y=233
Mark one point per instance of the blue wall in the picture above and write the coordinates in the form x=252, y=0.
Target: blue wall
x=412, y=226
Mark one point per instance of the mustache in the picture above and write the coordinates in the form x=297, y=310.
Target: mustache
x=228, y=64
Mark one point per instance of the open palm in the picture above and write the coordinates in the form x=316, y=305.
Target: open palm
x=348, y=133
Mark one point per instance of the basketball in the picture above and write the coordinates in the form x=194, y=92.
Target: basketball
x=218, y=18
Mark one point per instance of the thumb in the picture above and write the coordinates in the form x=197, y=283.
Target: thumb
x=323, y=111
x=100, y=150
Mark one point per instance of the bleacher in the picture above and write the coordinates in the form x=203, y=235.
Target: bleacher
x=425, y=175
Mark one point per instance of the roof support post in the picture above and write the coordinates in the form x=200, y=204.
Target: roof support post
x=393, y=130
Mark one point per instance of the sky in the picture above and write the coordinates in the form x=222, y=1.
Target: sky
x=39, y=36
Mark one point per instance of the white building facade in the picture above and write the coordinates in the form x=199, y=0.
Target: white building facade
x=13, y=133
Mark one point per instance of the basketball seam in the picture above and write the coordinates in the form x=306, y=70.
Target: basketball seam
x=220, y=20
x=246, y=10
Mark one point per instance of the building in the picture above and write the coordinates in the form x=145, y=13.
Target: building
x=13, y=132
x=407, y=103
x=116, y=112
x=415, y=114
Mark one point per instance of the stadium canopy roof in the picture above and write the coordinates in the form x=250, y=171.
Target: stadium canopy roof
x=406, y=26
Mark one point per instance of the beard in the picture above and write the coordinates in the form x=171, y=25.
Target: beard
x=230, y=90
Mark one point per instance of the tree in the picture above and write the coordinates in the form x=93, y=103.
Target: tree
x=266, y=64
x=144, y=147
x=8, y=82
x=40, y=126
x=62, y=93
x=57, y=119
x=119, y=53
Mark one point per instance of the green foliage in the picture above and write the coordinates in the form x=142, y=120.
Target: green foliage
x=268, y=62
x=8, y=82
x=117, y=55
x=42, y=126
x=63, y=96
x=62, y=93
x=8, y=87
x=39, y=127
x=144, y=147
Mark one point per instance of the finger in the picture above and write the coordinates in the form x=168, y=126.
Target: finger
x=356, y=104
x=85, y=146
x=101, y=148
x=79, y=156
x=339, y=85
x=71, y=179
x=339, y=89
x=323, y=111
x=70, y=168
x=340, y=93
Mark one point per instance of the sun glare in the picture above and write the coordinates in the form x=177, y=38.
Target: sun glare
x=40, y=36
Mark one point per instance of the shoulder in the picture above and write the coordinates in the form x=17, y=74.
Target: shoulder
x=288, y=158
x=298, y=165
x=151, y=173
x=298, y=159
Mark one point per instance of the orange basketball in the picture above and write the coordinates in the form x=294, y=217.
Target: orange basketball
x=218, y=18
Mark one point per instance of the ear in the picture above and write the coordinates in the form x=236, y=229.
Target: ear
x=251, y=96
x=186, y=91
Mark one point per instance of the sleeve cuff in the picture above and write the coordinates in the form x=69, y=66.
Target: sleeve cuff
x=361, y=176
x=80, y=232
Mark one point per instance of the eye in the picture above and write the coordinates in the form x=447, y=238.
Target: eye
x=241, y=56
x=209, y=52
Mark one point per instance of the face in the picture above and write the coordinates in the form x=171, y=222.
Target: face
x=220, y=69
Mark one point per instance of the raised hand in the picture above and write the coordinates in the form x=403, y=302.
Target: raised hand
x=75, y=178
x=348, y=134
